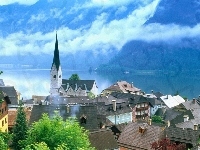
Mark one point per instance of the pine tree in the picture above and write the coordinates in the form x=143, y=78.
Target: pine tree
x=20, y=128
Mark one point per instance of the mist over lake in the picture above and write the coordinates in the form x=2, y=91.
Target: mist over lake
x=37, y=81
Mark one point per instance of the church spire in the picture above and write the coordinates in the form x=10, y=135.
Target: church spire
x=56, y=59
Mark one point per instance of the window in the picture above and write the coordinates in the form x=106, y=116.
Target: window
x=5, y=108
x=83, y=119
x=54, y=76
x=5, y=120
x=2, y=123
x=59, y=76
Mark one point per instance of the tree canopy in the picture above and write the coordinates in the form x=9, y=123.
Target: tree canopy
x=157, y=119
x=74, y=77
x=3, y=145
x=57, y=134
x=20, y=128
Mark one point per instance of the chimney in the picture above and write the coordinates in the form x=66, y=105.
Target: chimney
x=168, y=123
x=132, y=84
x=186, y=118
x=193, y=100
x=114, y=105
x=195, y=126
x=151, y=91
x=150, y=122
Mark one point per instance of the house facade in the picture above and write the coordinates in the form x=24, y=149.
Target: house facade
x=4, y=101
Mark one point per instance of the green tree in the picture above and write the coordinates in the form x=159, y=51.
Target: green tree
x=20, y=128
x=6, y=137
x=3, y=145
x=37, y=146
x=74, y=77
x=58, y=134
x=157, y=119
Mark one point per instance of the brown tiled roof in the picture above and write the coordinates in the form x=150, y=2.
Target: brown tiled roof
x=131, y=137
x=12, y=114
x=103, y=139
x=123, y=86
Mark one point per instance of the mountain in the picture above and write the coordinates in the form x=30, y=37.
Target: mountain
x=181, y=12
x=175, y=53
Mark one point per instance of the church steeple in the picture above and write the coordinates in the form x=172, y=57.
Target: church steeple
x=56, y=58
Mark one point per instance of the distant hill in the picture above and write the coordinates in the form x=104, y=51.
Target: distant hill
x=181, y=55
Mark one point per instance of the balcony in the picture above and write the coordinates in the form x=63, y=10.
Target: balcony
x=142, y=116
x=142, y=108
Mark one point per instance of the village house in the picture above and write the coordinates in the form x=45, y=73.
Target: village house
x=156, y=101
x=4, y=101
x=172, y=101
x=140, y=105
x=122, y=87
x=12, y=93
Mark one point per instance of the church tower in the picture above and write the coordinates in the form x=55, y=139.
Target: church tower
x=56, y=72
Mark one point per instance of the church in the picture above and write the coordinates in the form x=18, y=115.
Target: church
x=65, y=87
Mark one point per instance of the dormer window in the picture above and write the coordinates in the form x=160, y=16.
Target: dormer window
x=83, y=119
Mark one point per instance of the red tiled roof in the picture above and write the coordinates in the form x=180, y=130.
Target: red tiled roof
x=12, y=114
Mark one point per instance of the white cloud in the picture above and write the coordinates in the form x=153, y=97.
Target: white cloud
x=114, y=3
x=78, y=18
x=22, y=2
x=100, y=36
x=39, y=17
x=120, y=10
x=106, y=4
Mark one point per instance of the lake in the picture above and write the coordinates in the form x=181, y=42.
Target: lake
x=37, y=81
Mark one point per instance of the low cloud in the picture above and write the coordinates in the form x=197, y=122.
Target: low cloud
x=114, y=3
x=101, y=36
x=21, y=2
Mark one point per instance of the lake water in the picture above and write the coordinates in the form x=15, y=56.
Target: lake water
x=37, y=81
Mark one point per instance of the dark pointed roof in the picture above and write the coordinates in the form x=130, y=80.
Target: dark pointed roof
x=56, y=58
